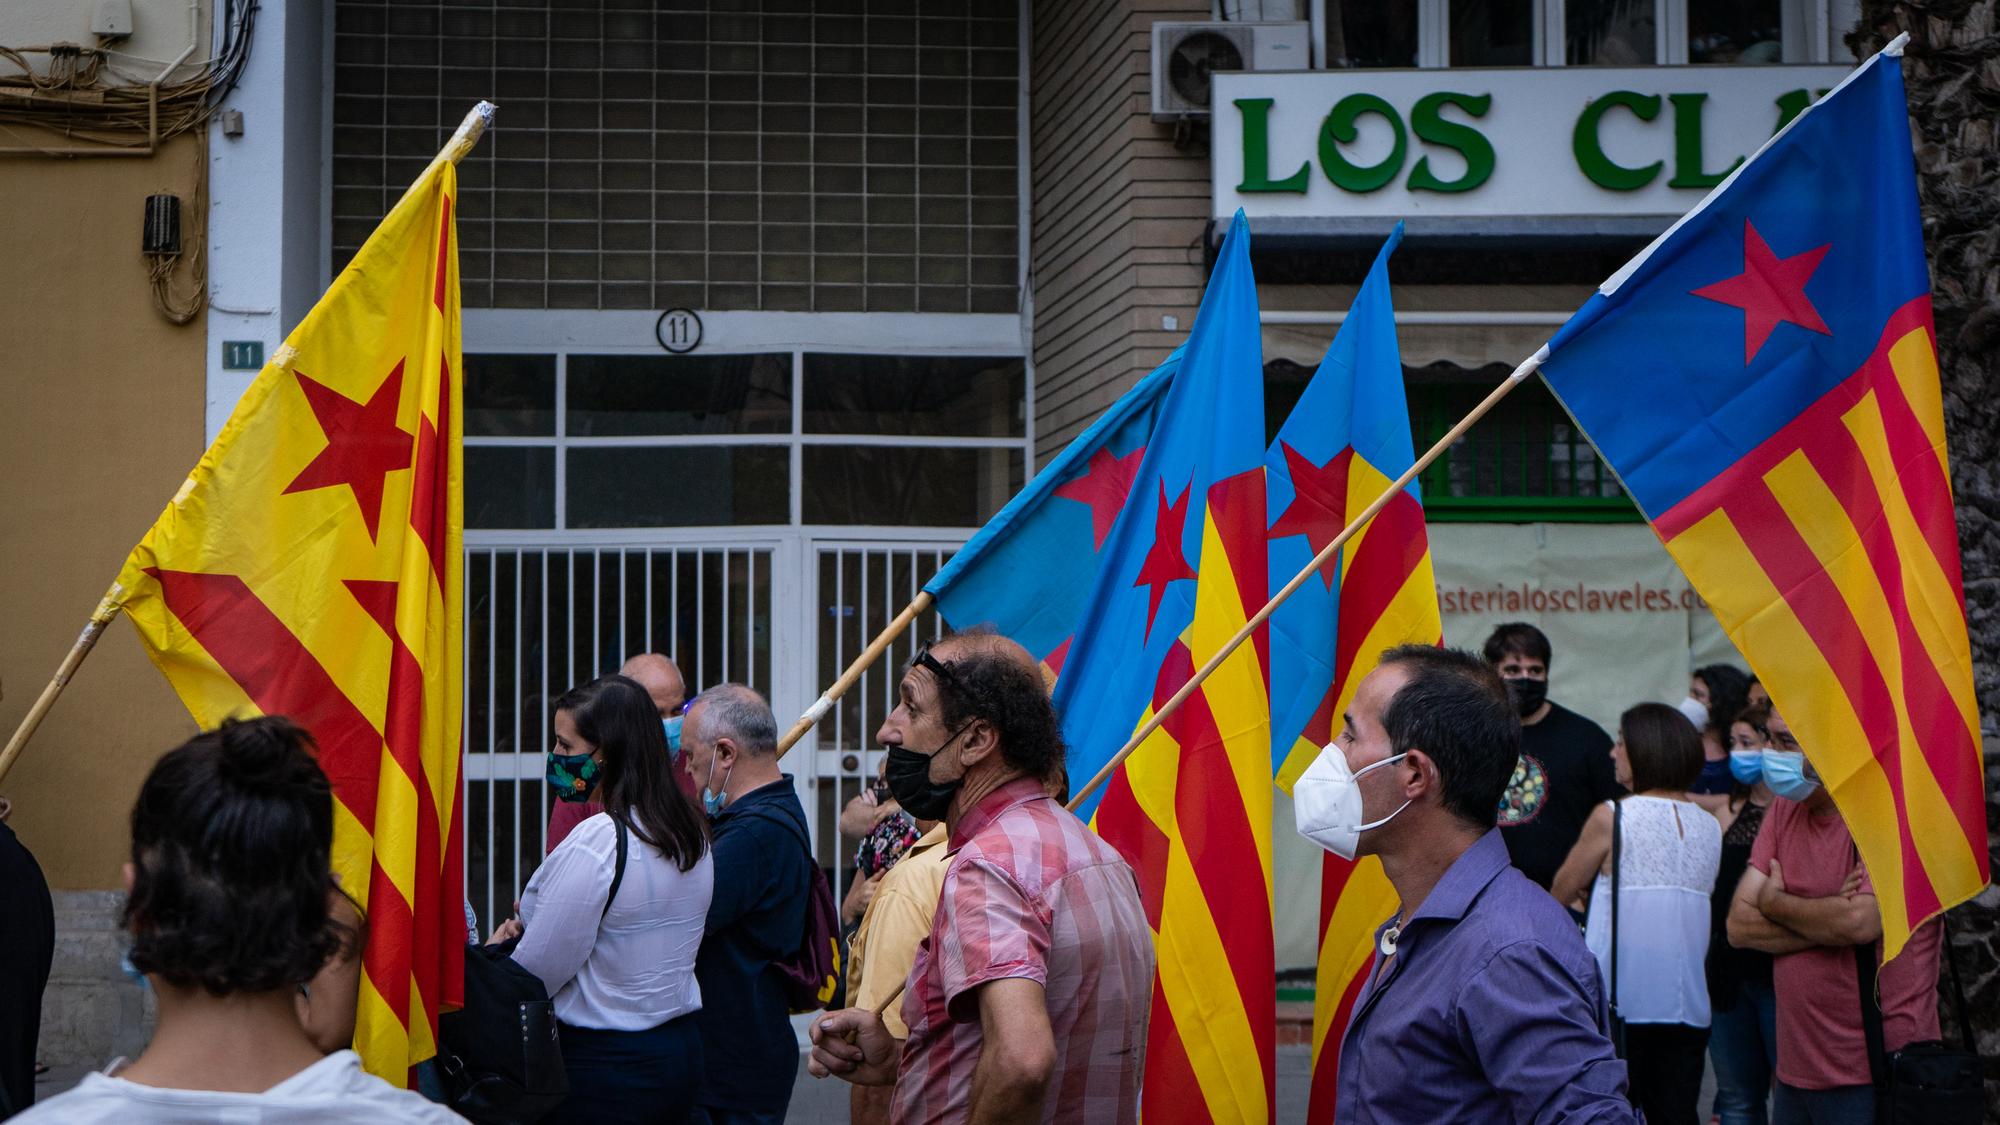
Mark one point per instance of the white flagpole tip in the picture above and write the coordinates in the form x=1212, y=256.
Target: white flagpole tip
x=1895, y=46
x=469, y=131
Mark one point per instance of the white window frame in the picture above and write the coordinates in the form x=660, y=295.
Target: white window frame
x=1809, y=30
x=563, y=333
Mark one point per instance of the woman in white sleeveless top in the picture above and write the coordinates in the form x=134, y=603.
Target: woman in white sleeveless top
x=1668, y=850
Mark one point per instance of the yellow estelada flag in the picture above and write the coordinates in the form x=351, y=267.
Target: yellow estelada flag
x=311, y=566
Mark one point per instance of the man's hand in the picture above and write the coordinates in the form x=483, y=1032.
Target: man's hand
x=853, y=1044
x=1774, y=885
x=1851, y=886
x=506, y=931
x=859, y=894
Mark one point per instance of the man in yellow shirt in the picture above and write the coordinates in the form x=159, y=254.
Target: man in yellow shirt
x=884, y=948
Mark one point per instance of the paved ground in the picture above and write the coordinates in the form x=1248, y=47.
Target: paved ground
x=816, y=1102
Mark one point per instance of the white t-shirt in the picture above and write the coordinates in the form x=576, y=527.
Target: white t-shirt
x=634, y=969
x=333, y=1089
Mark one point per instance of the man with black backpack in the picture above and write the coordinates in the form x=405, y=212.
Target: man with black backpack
x=765, y=901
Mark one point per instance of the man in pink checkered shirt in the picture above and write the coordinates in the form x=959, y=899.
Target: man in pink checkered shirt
x=1040, y=945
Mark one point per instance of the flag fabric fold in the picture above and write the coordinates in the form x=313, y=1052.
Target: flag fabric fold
x=1183, y=569
x=1789, y=451
x=311, y=566
x=1028, y=571
x=1343, y=445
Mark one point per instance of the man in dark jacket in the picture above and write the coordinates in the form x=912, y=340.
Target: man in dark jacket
x=763, y=878
x=27, y=945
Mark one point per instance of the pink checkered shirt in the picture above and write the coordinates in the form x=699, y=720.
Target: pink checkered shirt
x=1031, y=893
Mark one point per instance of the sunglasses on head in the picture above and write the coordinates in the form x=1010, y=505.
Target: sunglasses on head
x=938, y=668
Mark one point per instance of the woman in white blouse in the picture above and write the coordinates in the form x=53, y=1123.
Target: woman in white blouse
x=1668, y=849
x=620, y=969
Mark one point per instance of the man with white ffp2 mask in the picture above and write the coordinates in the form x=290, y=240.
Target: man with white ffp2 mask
x=1483, y=1003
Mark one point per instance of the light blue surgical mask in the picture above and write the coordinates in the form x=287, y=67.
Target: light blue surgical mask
x=1785, y=773
x=713, y=800
x=1746, y=766
x=673, y=727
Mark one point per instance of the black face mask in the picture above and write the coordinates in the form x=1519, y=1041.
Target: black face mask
x=909, y=777
x=1528, y=695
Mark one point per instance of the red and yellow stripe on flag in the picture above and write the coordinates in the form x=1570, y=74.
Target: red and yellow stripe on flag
x=1388, y=597
x=1830, y=554
x=1191, y=808
x=311, y=566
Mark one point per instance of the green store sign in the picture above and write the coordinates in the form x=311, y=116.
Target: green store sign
x=1579, y=141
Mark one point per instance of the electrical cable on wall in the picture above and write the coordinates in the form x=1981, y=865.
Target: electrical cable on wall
x=163, y=242
x=70, y=98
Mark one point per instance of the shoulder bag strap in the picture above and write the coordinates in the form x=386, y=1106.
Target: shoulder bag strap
x=1871, y=1008
x=1617, y=845
x=617, y=872
x=1957, y=987
x=1871, y=1016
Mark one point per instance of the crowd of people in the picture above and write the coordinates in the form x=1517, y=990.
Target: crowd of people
x=1585, y=921
x=1721, y=894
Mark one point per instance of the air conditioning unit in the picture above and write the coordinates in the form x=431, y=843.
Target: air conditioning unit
x=1186, y=54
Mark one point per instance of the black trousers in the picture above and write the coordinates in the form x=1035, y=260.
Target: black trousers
x=630, y=1077
x=27, y=945
x=1664, y=1063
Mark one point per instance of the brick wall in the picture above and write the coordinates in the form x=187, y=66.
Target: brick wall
x=1117, y=210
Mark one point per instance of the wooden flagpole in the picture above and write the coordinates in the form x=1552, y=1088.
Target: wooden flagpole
x=1325, y=555
x=861, y=664
x=107, y=609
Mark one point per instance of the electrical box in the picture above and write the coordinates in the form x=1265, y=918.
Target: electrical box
x=111, y=19
x=163, y=226
x=1186, y=54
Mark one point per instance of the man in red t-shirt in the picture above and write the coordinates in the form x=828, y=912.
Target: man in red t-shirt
x=1806, y=899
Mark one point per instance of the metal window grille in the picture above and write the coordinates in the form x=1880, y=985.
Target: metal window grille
x=1524, y=461
x=861, y=588
x=539, y=621
x=852, y=155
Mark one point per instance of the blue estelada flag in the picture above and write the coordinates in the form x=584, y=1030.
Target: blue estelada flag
x=1342, y=446
x=1345, y=443
x=1028, y=571
x=1184, y=570
x=1764, y=379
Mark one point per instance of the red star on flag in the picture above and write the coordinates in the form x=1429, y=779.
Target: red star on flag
x=1104, y=484
x=1770, y=291
x=1165, y=562
x=363, y=443
x=1318, y=509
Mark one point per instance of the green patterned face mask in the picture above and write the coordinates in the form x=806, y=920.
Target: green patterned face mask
x=573, y=776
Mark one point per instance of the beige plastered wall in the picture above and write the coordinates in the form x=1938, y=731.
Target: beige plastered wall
x=101, y=405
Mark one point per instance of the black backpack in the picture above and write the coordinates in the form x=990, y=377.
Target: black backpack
x=499, y=1055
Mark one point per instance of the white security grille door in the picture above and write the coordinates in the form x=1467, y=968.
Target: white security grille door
x=861, y=587
x=540, y=620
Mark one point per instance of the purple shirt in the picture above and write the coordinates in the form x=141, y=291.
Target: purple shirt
x=1490, y=1010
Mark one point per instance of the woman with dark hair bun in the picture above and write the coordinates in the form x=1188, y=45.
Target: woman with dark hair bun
x=227, y=907
x=1652, y=950
x=619, y=964
x=1723, y=691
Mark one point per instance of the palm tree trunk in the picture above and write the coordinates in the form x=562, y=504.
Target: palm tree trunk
x=1952, y=71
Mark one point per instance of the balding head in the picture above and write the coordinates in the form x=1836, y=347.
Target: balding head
x=661, y=679
x=739, y=714
x=993, y=646
x=995, y=679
